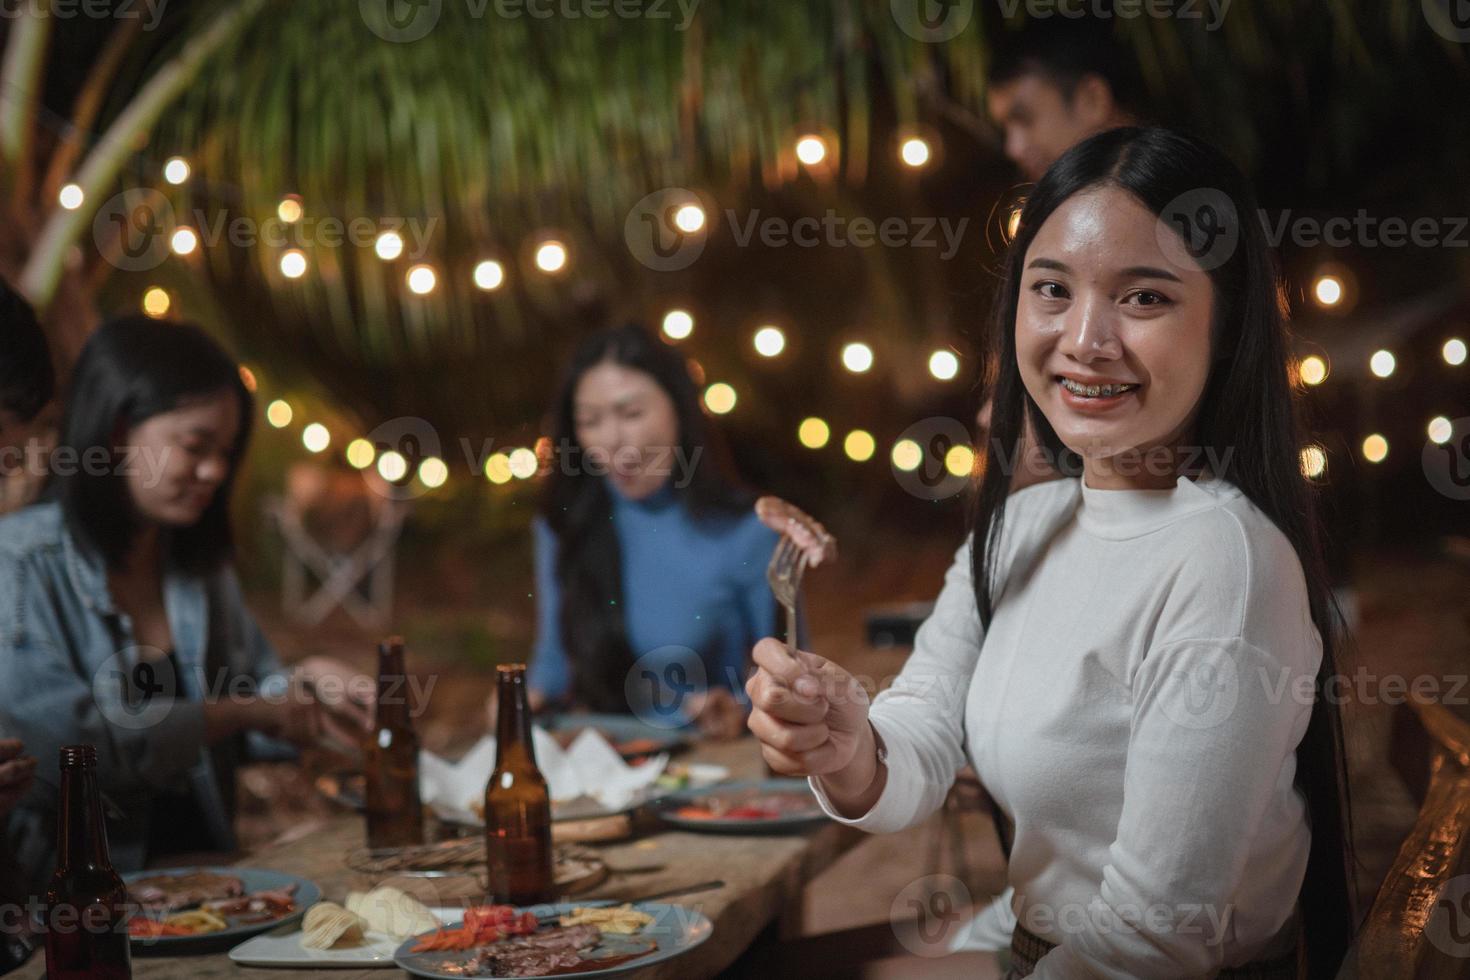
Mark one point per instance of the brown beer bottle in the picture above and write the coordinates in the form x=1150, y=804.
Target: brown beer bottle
x=517, y=802
x=395, y=815
x=87, y=903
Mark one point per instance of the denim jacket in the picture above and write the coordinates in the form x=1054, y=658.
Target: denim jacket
x=65, y=652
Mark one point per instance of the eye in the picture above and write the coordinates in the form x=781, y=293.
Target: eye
x=1147, y=297
x=1050, y=289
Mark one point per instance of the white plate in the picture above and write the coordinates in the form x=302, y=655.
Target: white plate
x=282, y=948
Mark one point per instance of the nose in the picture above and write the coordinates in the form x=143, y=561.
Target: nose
x=1090, y=332
x=212, y=470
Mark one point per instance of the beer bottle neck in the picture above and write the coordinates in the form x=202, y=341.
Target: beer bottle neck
x=392, y=709
x=83, y=838
x=513, y=720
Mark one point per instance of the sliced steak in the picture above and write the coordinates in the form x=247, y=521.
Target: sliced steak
x=168, y=893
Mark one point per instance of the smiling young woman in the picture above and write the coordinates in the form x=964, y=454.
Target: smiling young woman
x=1133, y=657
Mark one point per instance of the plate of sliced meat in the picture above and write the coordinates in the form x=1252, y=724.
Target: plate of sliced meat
x=567, y=939
x=208, y=907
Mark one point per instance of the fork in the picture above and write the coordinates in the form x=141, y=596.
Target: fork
x=788, y=565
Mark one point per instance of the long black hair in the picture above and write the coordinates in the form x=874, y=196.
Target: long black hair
x=1248, y=414
x=131, y=369
x=577, y=506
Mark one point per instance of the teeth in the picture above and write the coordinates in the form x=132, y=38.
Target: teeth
x=1095, y=391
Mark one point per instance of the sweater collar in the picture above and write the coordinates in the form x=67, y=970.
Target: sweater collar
x=1130, y=513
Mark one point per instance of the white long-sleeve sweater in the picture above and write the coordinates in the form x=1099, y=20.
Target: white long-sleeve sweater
x=1134, y=708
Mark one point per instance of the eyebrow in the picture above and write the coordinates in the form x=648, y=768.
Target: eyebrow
x=1132, y=272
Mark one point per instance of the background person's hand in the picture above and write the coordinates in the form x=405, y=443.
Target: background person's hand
x=717, y=713
x=810, y=536
x=17, y=773
x=811, y=716
x=343, y=690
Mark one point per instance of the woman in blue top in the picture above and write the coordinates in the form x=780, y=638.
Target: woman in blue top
x=650, y=561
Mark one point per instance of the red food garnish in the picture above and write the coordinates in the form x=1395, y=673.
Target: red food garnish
x=482, y=925
x=153, y=929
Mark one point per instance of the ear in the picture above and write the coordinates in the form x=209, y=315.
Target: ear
x=1092, y=101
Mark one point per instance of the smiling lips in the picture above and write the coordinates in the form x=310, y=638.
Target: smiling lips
x=1091, y=397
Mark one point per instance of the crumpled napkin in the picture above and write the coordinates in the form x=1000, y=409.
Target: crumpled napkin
x=590, y=766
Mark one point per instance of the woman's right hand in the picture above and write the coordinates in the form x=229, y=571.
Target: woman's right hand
x=811, y=718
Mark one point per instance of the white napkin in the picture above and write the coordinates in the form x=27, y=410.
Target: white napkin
x=589, y=767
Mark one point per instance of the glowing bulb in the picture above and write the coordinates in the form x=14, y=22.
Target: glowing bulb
x=71, y=197
x=422, y=280
x=278, y=414
x=489, y=274
x=551, y=256
x=183, y=241
x=689, y=218
x=859, y=446
x=960, y=460
x=857, y=358
x=1454, y=351
x=1440, y=430
x=1013, y=224
x=719, y=398
x=811, y=150
x=360, y=454
x=315, y=437
x=290, y=210
x=1327, y=290
x=1375, y=448
x=392, y=466
x=497, y=469
x=1312, y=370
x=1381, y=363
x=1314, y=461
x=156, y=302
x=678, y=324
x=433, y=472
x=388, y=246
x=944, y=365
x=523, y=463
x=176, y=170
x=247, y=378
x=293, y=264
x=914, y=152
x=907, y=455
x=813, y=433
x=769, y=341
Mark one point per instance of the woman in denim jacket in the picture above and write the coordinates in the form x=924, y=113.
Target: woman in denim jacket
x=121, y=620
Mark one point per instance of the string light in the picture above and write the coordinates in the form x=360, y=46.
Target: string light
x=176, y=170
x=719, y=398
x=392, y=466
x=489, y=274
x=278, y=413
x=1440, y=430
x=156, y=302
x=859, y=446
x=1375, y=448
x=551, y=256
x=497, y=469
x=689, y=218
x=247, y=378
x=1312, y=370
x=422, y=279
x=944, y=365
x=813, y=433
x=1454, y=352
x=433, y=472
x=907, y=455
x=523, y=463
x=71, y=197
x=769, y=341
x=290, y=210
x=1314, y=461
x=1013, y=224
x=678, y=324
x=811, y=150
x=857, y=357
x=315, y=437
x=388, y=246
x=1327, y=290
x=360, y=454
x=960, y=460
x=183, y=241
x=293, y=264
x=1381, y=363
x=914, y=152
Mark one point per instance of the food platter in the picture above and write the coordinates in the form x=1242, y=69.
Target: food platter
x=763, y=806
x=172, y=896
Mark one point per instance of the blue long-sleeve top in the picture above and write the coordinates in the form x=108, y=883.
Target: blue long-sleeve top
x=691, y=589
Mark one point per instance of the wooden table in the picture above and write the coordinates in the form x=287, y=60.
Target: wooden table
x=763, y=876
